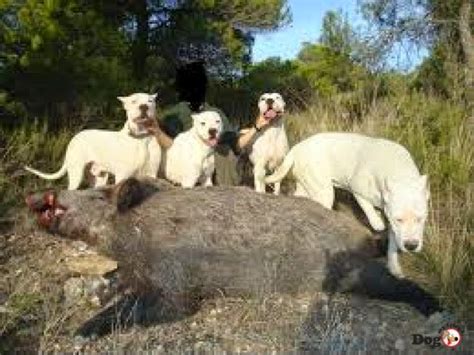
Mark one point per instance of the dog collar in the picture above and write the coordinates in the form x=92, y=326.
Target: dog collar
x=138, y=136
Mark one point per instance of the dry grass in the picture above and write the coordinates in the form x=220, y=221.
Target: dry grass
x=35, y=145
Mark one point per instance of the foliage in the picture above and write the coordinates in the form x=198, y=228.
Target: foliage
x=444, y=27
x=57, y=54
x=68, y=60
x=281, y=76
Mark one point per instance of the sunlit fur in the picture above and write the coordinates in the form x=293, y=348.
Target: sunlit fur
x=190, y=159
x=125, y=153
x=271, y=144
x=380, y=173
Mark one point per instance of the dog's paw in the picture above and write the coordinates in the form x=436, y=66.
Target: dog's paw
x=396, y=271
x=377, y=224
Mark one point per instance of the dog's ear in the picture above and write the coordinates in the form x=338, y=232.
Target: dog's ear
x=154, y=96
x=195, y=116
x=282, y=100
x=123, y=99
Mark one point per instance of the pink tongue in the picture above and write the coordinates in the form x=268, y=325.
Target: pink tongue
x=270, y=114
x=212, y=142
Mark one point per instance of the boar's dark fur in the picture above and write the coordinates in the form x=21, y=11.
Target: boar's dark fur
x=187, y=244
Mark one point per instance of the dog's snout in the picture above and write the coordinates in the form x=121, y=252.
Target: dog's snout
x=411, y=245
x=212, y=132
x=143, y=107
x=269, y=101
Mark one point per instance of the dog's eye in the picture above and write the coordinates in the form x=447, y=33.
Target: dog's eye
x=218, y=121
x=399, y=220
x=203, y=123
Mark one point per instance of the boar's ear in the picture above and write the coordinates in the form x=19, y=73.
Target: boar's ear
x=125, y=194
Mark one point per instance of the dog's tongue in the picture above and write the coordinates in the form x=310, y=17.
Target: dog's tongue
x=270, y=114
x=212, y=141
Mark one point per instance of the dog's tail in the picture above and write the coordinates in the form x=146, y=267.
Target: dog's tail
x=54, y=176
x=282, y=170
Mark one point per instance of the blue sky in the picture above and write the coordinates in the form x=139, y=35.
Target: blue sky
x=305, y=27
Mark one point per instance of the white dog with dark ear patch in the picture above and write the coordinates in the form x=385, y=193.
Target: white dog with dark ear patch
x=190, y=159
x=380, y=173
x=128, y=152
x=271, y=144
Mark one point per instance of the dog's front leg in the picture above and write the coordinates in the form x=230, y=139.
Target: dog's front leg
x=276, y=188
x=376, y=222
x=101, y=180
x=208, y=181
x=191, y=178
x=259, y=177
x=209, y=168
x=392, y=257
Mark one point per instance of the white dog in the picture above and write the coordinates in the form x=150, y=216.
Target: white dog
x=128, y=152
x=270, y=145
x=380, y=173
x=190, y=159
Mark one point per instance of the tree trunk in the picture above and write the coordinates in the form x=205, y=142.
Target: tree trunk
x=467, y=42
x=140, y=46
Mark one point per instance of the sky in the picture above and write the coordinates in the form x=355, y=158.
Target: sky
x=306, y=27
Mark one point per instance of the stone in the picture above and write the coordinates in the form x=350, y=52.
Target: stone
x=90, y=288
x=91, y=265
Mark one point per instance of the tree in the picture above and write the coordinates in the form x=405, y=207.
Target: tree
x=337, y=33
x=218, y=31
x=433, y=23
x=330, y=66
x=55, y=54
x=274, y=74
x=63, y=58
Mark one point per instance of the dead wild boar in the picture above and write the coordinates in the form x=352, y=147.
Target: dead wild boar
x=188, y=242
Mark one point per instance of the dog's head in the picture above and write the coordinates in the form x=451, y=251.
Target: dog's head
x=406, y=208
x=271, y=105
x=140, y=108
x=208, y=126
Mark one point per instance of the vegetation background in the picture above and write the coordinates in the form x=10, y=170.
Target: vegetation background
x=63, y=62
